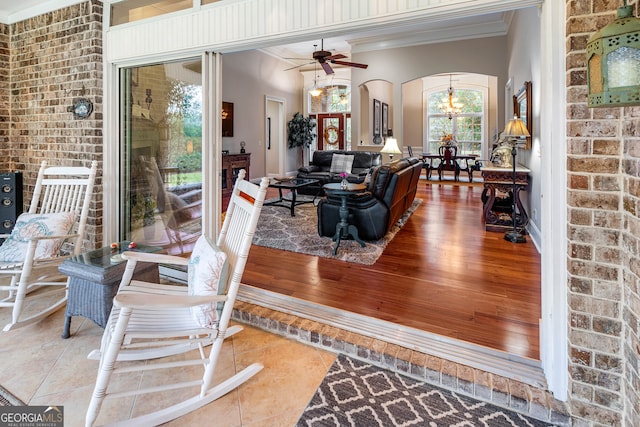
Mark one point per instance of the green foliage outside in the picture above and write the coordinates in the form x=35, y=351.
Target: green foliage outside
x=184, y=178
x=189, y=162
x=466, y=126
x=184, y=120
x=471, y=100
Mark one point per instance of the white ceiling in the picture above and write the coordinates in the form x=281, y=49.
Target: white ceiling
x=492, y=24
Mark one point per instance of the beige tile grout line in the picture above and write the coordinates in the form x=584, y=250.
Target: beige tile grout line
x=485, y=386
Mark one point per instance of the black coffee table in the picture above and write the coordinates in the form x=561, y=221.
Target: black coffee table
x=293, y=185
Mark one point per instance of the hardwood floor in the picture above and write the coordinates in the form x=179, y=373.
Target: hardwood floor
x=442, y=273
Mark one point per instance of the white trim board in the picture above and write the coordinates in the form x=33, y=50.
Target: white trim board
x=528, y=371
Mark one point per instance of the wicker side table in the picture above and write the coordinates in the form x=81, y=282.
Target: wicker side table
x=94, y=279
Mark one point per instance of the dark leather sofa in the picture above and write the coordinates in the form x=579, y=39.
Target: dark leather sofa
x=320, y=167
x=389, y=194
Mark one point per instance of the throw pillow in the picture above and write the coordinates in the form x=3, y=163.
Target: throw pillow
x=370, y=178
x=37, y=225
x=367, y=177
x=341, y=163
x=208, y=271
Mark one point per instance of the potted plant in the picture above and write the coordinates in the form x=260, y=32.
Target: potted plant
x=300, y=131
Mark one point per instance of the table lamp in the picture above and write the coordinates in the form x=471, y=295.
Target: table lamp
x=515, y=131
x=391, y=146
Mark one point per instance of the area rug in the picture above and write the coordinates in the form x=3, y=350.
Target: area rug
x=354, y=393
x=278, y=229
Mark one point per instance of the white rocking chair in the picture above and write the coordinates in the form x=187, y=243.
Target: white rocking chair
x=32, y=253
x=149, y=321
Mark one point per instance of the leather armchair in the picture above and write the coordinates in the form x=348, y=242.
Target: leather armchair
x=389, y=194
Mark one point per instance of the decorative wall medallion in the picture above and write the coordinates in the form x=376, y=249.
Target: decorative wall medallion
x=81, y=108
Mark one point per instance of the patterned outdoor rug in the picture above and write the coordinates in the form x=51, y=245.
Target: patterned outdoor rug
x=355, y=393
x=278, y=229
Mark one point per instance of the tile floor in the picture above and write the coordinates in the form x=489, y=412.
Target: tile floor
x=40, y=368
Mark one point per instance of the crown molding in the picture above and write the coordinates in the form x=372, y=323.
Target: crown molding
x=429, y=36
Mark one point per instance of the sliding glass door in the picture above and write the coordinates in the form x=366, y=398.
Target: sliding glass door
x=161, y=137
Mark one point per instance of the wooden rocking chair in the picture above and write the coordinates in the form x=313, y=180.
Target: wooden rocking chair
x=151, y=321
x=31, y=254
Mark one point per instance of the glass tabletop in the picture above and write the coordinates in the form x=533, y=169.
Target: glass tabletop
x=297, y=182
x=105, y=257
x=290, y=183
x=336, y=188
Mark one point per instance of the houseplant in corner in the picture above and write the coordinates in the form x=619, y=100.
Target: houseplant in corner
x=300, y=131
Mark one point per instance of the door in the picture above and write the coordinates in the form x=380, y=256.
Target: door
x=162, y=144
x=275, y=143
x=331, y=131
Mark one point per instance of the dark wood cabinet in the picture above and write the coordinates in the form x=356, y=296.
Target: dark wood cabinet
x=231, y=166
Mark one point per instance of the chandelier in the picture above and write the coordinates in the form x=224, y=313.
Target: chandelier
x=450, y=105
x=315, y=90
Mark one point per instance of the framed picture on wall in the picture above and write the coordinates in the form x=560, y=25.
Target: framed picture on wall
x=376, y=117
x=227, y=118
x=522, y=108
x=385, y=119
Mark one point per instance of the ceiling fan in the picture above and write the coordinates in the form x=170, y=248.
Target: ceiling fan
x=325, y=58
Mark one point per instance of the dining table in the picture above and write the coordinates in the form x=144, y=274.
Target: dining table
x=469, y=164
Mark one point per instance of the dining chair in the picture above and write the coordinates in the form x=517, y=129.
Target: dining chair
x=426, y=163
x=448, y=161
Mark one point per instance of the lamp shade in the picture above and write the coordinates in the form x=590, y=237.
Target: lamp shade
x=516, y=128
x=390, y=145
x=613, y=62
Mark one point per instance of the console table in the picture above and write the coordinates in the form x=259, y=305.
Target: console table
x=231, y=166
x=497, y=198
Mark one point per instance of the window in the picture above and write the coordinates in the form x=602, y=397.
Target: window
x=135, y=10
x=332, y=99
x=467, y=127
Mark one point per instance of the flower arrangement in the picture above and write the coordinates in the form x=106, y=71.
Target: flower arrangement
x=344, y=184
x=447, y=139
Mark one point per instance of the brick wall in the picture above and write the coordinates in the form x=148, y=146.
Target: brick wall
x=51, y=58
x=603, y=166
x=54, y=58
x=4, y=93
